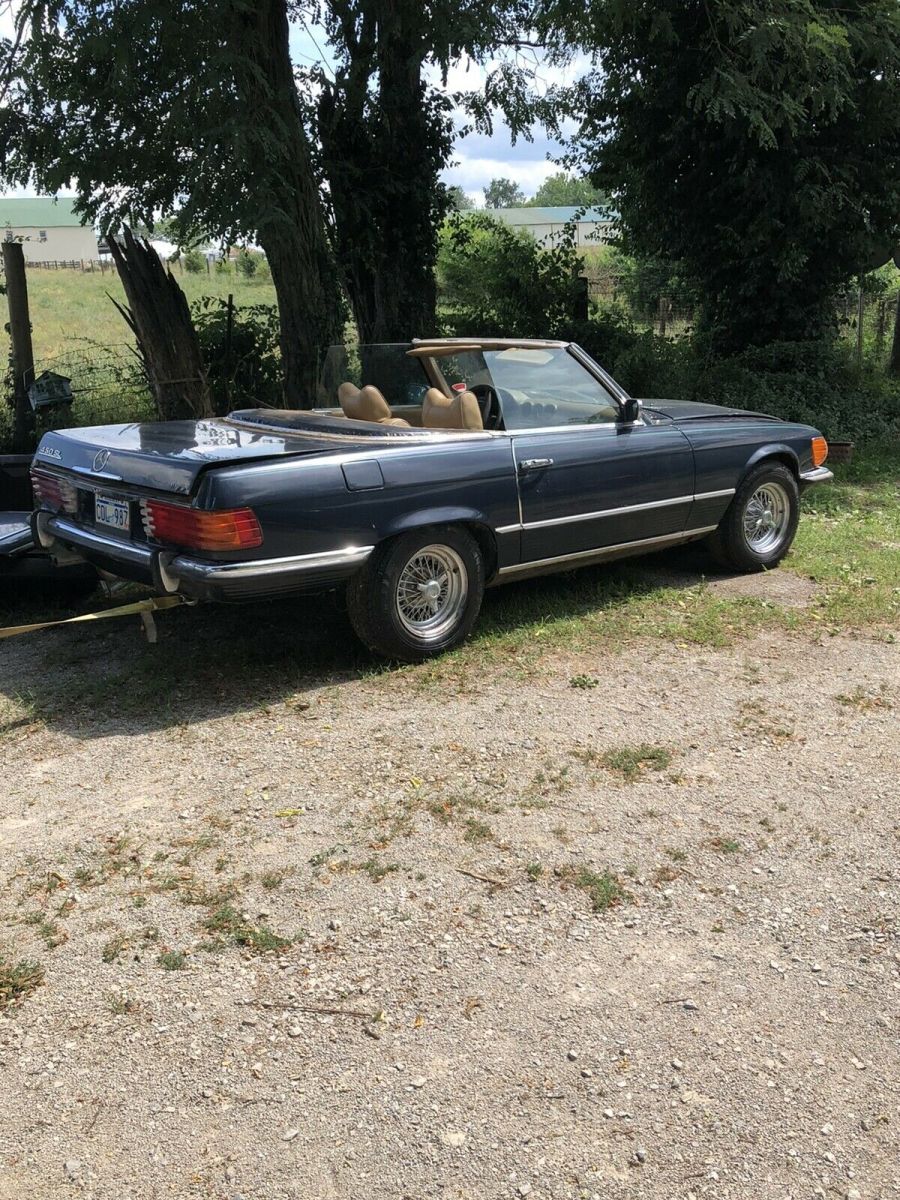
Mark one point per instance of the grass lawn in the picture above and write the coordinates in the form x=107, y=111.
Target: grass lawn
x=72, y=314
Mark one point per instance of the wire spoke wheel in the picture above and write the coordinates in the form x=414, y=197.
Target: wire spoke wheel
x=431, y=593
x=766, y=518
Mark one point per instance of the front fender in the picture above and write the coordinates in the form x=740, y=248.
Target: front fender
x=780, y=450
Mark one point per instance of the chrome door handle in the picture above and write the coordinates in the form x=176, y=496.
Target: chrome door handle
x=535, y=464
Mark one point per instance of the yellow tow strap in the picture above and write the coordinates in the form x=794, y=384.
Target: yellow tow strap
x=138, y=608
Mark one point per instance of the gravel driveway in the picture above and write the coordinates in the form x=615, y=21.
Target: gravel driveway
x=624, y=926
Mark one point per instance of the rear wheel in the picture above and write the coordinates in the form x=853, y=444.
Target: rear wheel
x=419, y=594
x=761, y=522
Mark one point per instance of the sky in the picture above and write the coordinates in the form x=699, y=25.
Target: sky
x=477, y=158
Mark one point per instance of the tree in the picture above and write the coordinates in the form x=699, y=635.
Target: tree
x=564, y=191
x=503, y=193
x=758, y=144
x=208, y=127
x=386, y=131
x=460, y=201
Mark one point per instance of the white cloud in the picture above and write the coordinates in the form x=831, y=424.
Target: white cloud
x=474, y=174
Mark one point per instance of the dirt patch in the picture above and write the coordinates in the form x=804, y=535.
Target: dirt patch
x=371, y=939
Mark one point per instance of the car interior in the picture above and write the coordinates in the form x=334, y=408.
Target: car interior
x=464, y=388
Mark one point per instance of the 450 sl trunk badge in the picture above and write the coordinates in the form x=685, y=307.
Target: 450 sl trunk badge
x=50, y=452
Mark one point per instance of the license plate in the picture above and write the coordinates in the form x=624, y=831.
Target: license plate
x=116, y=513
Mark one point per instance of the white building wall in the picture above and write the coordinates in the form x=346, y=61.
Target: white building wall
x=63, y=243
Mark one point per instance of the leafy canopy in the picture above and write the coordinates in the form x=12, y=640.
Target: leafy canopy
x=566, y=191
x=755, y=141
x=503, y=193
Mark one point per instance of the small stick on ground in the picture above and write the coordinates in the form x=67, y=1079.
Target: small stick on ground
x=482, y=878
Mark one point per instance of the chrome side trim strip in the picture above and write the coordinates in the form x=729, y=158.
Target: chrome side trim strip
x=817, y=475
x=584, y=556
x=509, y=529
x=608, y=512
x=715, y=495
x=618, y=512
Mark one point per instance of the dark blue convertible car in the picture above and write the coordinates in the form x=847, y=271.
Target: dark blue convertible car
x=428, y=472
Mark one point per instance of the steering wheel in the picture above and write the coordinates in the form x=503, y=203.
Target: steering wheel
x=489, y=403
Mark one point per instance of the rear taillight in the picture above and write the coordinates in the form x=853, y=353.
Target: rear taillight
x=227, y=529
x=54, y=492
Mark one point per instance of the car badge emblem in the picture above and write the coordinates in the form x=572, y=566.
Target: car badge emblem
x=101, y=458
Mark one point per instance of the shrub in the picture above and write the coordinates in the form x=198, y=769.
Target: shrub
x=248, y=371
x=245, y=264
x=496, y=281
x=194, y=262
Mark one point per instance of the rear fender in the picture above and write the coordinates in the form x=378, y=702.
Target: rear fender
x=474, y=520
x=443, y=515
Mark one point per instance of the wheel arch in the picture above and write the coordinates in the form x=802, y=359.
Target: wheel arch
x=776, y=452
x=471, y=520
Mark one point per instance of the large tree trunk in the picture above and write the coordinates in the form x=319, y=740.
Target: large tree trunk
x=381, y=160
x=159, y=315
x=290, y=221
x=894, y=361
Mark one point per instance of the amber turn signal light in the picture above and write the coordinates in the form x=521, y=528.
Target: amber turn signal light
x=819, y=451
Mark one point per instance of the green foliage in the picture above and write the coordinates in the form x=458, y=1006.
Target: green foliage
x=246, y=263
x=503, y=193
x=757, y=144
x=604, y=889
x=459, y=200
x=18, y=980
x=497, y=281
x=563, y=191
x=645, y=281
x=243, y=370
x=194, y=262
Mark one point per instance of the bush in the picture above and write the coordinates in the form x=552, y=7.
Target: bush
x=245, y=264
x=248, y=371
x=496, y=281
x=194, y=262
x=222, y=266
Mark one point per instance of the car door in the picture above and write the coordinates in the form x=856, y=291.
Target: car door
x=590, y=487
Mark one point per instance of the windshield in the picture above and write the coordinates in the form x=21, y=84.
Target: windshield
x=536, y=386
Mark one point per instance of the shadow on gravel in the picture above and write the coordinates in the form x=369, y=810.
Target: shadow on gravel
x=211, y=661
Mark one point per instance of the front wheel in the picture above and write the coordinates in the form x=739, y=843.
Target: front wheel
x=419, y=594
x=761, y=522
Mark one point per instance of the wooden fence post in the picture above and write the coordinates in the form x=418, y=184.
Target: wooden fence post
x=663, y=314
x=22, y=351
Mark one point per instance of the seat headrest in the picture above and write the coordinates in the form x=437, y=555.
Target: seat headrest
x=460, y=411
x=346, y=394
x=364, y=404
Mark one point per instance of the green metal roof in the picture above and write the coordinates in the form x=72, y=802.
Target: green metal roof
x=38, y=212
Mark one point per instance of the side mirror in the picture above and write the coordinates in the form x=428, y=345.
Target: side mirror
x=631, y=411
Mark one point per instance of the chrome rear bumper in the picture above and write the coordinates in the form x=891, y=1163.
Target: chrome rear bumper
x=200, y=578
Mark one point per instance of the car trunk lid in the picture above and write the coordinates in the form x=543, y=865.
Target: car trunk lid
x=171, y=456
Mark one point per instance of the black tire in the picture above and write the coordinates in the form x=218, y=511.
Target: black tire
x=734, y=546
x=382, y=598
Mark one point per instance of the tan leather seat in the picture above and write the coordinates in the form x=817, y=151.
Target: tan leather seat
x=460, y=411
x=367, y=404
x=346, y=394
